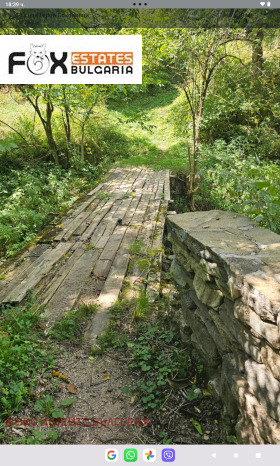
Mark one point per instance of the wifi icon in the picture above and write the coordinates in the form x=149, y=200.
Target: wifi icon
x=262, y=3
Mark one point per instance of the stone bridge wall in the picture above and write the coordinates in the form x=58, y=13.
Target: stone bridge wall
x=229, y=274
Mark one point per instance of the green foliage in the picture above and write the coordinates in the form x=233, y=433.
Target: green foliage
x=38, y=438
x=156, y=361
x=46, y=406
x=68, y=328
x=21, y=357
x=29, y=195
x=102, y=195
x=142, y=306
x=136, y=248
x=232, y=181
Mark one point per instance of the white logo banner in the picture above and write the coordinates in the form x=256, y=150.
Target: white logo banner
x=73, y=59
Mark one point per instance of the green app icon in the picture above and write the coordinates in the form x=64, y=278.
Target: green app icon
x=130, y=455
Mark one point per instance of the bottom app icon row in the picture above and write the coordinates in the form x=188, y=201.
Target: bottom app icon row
x=149, y=455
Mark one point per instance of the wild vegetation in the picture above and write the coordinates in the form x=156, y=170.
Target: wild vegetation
x=208, y=110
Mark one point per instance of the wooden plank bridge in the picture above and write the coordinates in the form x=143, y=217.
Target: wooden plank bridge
x=89, y=253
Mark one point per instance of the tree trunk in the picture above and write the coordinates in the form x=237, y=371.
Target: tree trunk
x=257, y=54
x=83, y=144
x=49, y=131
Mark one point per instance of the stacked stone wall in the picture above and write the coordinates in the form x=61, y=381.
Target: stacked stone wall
x=228, y=271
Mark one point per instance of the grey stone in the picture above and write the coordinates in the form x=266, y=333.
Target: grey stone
x=210, y=267
x=207, y=294
x=214, y=387
x=229, y=288
x=265, y=428
x=240, y=334
x=217, y=332
x=264, y=386
x=179, y=274
x=229, y=370
x=271, y=359
x=201, y=338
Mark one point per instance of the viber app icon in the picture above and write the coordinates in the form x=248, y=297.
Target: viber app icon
x=168, y=455
x=111, y=455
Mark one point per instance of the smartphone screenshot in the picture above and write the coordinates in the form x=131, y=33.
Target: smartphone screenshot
x=139, y=232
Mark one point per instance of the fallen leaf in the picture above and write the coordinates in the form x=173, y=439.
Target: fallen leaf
x=43, y=326
x=206, y=226
x=60, y=226
x=78, y=356
x=57, y=374
x=216, y=421
x=31, y=394
x=91, y=358
x=206, y=437
x=60, y=386
x=106, y=376
x=197, y=426
x=118, y=323
x=71, y=388
x=206, y=393
x=197, y=409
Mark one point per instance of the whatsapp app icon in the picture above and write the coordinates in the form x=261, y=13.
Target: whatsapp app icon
x=130, y=455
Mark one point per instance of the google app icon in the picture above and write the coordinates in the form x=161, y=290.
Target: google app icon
x=111, y=455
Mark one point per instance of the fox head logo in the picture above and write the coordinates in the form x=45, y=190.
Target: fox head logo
x=38, y=62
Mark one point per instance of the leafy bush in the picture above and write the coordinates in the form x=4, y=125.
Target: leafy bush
x=21, y=357
x=30, y=194
x=232, y=181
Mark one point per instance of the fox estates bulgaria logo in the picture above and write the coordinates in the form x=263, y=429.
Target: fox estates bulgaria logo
x=38, y=62
x=71, y=59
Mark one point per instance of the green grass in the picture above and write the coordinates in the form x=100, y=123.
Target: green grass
x=147, y=126
x=23, y=356
x=68, y=328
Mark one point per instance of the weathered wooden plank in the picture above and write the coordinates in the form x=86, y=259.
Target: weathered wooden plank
x=155, y=270
x=140, y=212
x=159, y=192
x=38, y=270
x=96, y=220
x=110, y=227
x=113, y=244
x=100, y=229
x=167, y=186
x=14, y=276
x=110, y=290
x=81, y=208
x=47, y=293
x=133, y=206
x=80, y=219
x=102, y=268
x=145, y=236
x=66, y=296
x=114, y=175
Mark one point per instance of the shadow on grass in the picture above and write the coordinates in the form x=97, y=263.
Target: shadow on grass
x=132, y=150
x=144, y=102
